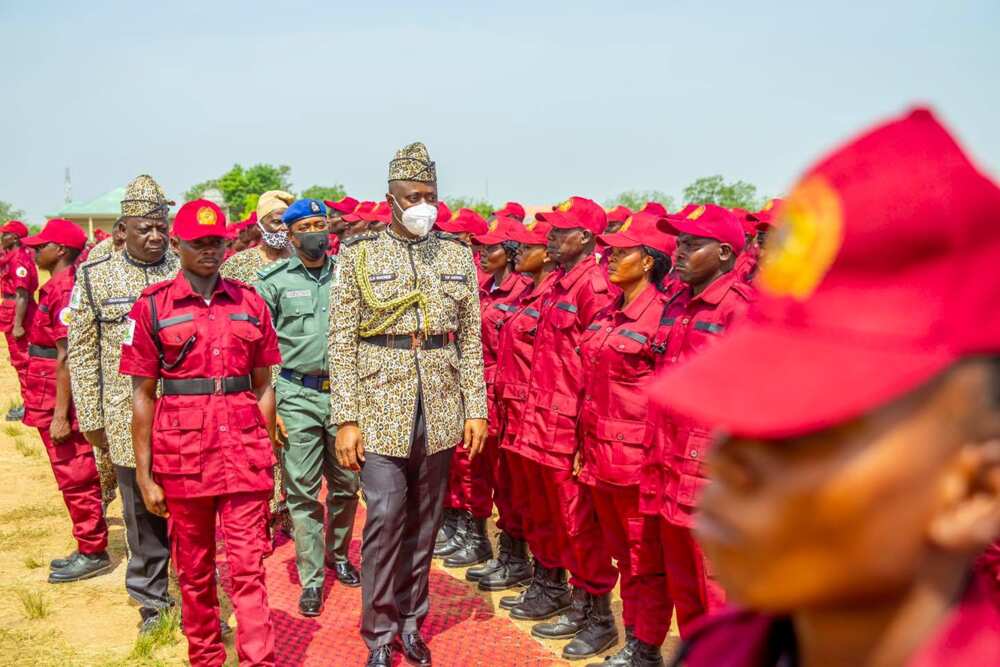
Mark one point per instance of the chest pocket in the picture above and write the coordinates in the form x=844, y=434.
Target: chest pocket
x=298, y=313
x=563, y=315
x=454, y=286
x=633, y=360
x=114, y=310
x=525, y=325
x=389, y=285
x=703, y=332
x=178, y=335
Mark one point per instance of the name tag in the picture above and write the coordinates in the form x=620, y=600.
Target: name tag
x=297, y=293
x=381, y=277
x=118, y=300
x=453, y=277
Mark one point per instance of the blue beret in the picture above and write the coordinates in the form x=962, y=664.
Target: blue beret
x=303, y=208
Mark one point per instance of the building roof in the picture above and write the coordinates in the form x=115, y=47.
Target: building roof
x=107, y=205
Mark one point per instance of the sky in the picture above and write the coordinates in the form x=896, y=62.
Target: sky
x=532, y=101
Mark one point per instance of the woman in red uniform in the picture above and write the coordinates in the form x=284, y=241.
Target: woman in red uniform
x=618, y=363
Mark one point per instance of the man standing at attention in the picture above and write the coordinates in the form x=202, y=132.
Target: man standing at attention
x=406, y=377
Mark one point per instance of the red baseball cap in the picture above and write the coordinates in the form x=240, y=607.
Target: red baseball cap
x=619, y=214
x=656, y=208
x=464, y=220
x=707, y=221
x=14, y=227
x=100, y=235
x=499, y=230
x=199, y=219
x=511, y=210
x=362, y=209
x=61, y=232
x=577, y=212
x=880, y=274
x=764, y=218
x=535, y=232
x=343, y=206
x=640, y=229
x=444, y=213
x=381, y=213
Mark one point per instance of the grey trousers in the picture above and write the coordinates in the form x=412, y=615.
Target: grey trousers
x=147, y=574
x=404, y=498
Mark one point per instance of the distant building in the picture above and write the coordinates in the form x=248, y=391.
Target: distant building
x=99, y=213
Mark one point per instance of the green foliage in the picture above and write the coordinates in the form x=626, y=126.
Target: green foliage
x=8, y=212
x=33, y=562
x=241, y=187
x=13, y=430
x=480, y=206
x=35, y=604
x=332, y=193
x=164, y=632
x=636, y=199
x=714, y=190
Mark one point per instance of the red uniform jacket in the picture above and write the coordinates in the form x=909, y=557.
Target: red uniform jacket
x=674, y=471
x=513, y=367
x=548, y=429
x=618, y=362
x=207, y=445
x=970, y=636
x=17, y=271
x=496, y=307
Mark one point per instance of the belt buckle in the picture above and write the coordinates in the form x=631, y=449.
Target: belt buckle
x=217, y=388
x=325, y=385
x=416, y=341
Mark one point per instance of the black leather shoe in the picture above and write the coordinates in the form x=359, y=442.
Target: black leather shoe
x=60, y=563
x=597, y=635
x=82, y=566
x=380, y=657
x=476, y=547
x=415, y=650
x=568, y=624
x=347, y=574
x=311, y=601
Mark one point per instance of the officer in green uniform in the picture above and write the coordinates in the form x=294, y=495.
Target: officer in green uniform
x=297, y=291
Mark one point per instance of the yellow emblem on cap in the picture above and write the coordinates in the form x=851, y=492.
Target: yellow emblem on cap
x=493, y=225
x=697, y=213
x=454, y=216
x=565, y=206
x=808, y=234
x=530, y=226
x=206, y=216
x=625, y=225
x=768, y=206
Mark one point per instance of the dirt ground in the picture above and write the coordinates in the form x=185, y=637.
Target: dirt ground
x=89, y=623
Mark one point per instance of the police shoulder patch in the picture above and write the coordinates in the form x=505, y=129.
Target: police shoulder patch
x=21, y=272
x=66, y=316
x=76, y=297
x=368, y=236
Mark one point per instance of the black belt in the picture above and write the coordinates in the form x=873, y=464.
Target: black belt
x=411, y=341
x=315, y=382
x=205, y=386
x=9, y=297
x=43, y=352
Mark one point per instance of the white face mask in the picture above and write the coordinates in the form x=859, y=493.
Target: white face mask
x=418, y=219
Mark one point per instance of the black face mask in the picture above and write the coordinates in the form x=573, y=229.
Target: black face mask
x=313, y=244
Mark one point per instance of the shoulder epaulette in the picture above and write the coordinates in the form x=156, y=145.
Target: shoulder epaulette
x=599, y=282
x=745, y=290
x=367, y=236
x=271, y=268
x=156, y=287
x=238, y=283
x=91, y=263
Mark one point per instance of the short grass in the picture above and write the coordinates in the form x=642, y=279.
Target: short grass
x=33, y=562
x=26, y=450
x=32, y=512
x=34, y=603
x=165, y=632
x=13, y=430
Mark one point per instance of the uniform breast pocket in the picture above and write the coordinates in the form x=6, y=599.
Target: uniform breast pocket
x=244, y=336
x=704, y=332
x=633, y=358
x=563, y=315
x=177, y=441
x=387, y=286
x=298, y=316
x=178, y=336
x=114, y=310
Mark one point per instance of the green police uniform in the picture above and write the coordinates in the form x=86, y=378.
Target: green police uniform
x=300, y=307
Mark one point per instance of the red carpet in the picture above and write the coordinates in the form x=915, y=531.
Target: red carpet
x=462, y=630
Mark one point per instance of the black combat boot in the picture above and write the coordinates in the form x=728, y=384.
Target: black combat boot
x=493, y=564
x=475, y=549
x=457, y=539
x=553, y=599
x=449, y=524
x=568, y=623
x=515, y=572
x=598, y=634
x=624, y=657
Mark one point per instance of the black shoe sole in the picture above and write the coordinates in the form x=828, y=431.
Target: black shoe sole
x=310, y=614
x=490, y=588
x=554, y=613
x=607, y=645
x=350, y=584
x=454, y=565
x=89, y=575
x=567, y=635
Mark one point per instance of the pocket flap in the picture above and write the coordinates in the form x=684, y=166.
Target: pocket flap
x=621, y=430
x=180, y=420
x=248, y=418
x=517, y=391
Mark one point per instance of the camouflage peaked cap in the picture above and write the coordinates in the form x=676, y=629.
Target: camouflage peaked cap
x=413, y=163
x=144, y=198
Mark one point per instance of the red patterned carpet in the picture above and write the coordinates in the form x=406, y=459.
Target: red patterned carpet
x=462, y=630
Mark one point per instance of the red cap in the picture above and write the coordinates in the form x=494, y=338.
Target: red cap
x=343, y=206
x=464, y=220
x=359, y=213
x=499, y=230
x=100, y=235
x=640, y=229
x=535, y=232
x=577, y=212
x=707, y=221
x=880, y=274
x=511, y=210
x=655, y=208
x=764, y=218
x=14, y=227
x=62, y=232
x=619, y=214
x=381, y=213
x=444, y=213
x=199, y=219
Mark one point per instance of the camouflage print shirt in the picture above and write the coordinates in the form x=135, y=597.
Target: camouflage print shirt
x=101, y=249
x=244, y=265
x=104, y=293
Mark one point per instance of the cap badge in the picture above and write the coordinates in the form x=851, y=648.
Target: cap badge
x=697, y=213
x=206, y=216
x=493, y=225
x=565, y=206
x=807, y=237
x=530, y=226
x=625, y=225
x=314, y=207
x=769, y=205
x=454, y=216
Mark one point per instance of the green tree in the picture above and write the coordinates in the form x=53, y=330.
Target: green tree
x=8, y=212
x=480, y=206
x=241, y=187
x=636, y=199
x=714, y=190
x=331, y=193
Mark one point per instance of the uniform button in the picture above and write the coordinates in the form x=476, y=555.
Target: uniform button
x=694, y=453
x=673, y=360
x=608, y=329
x=621, y=437
x=211, y=317
x=215, y=351
x=174, y=422
x=223, y=428
x=621, y=347
x=324, y=308
x=685, y=321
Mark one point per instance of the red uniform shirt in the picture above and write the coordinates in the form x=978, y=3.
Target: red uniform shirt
x=618, y=362
x=48, y=326
x=496, y=307
x=17, y=271
x=515, y=347
x=549, y=425
x=970, y=635
x=674, y=473
x=205, y=445
x=746, y=265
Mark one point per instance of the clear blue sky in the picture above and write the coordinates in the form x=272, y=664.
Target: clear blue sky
x=542, y=99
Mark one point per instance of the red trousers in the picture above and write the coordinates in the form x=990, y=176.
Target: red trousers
x=689, y=583
x=540, y=530
x=634, y=542
x=242, y=518
x=75, y=470
x=509, y=518
x=470, y=483
x=18, y=348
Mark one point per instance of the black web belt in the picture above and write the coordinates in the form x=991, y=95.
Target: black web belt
x=411, y=341
x=43, y=352
x=320, y=382
x=206, y=386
